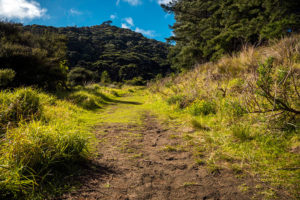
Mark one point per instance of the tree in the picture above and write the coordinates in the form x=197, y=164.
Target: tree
x=80, y=76
x=207, y=29
x=6, y=77
x=37, y=59
x=105, y=78
x=109, y=48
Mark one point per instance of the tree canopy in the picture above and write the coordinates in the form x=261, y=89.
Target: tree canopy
x=207, y=29
x=122, y=53
x=37, y=59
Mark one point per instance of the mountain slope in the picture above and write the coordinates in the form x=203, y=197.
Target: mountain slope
x=124, y=54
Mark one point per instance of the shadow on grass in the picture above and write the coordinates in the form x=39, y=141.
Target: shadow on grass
x=88, y=103
x=128, y=102
x=60, y=180
x=70, y=179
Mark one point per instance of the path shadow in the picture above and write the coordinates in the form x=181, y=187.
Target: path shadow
x=128, y=102
x=86, y=172
x=101, y=99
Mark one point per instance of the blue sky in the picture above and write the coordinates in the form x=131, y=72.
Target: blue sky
x=144, y=16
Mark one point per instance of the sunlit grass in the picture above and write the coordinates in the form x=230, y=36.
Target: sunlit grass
x=44, y=137
x=215, y=100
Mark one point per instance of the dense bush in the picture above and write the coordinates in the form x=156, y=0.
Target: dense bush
x=206, y=30
x=37, y=59
x=105, y=78
x=6, y=77
x=122, y=53
x=136, y=81
x=81, y=76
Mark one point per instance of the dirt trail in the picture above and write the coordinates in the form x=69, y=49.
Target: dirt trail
x=136, y=162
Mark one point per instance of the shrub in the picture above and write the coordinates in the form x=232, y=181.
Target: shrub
x=80, y=76
x=22, y=104
x=203, y=107
x=136, y=81
x=276, y=90
x=105, y=78
x=6, y=77
x=175, y=99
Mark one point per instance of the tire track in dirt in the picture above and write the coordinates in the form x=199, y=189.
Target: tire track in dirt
x=135, y=163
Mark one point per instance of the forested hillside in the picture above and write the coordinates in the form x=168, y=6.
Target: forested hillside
x=114, y=53
x=35, y=59
x=218, y=119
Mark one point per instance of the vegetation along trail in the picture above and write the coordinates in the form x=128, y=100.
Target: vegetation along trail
x=139, y=157
x=106, y=111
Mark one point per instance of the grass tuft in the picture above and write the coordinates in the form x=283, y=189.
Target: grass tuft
x=45, y=138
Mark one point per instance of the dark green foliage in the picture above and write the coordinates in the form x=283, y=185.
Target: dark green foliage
x=203, y=108
x=206, y=29
x=136, y=81
x=37, y=59
x=6, y=77
x=80, y=76
x=105, y=78
x=124, y=54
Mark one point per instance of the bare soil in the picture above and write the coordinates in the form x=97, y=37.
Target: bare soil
x=134, y=164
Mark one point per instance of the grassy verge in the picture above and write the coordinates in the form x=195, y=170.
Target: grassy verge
x=233, y=109
x=44, y=138
x=245, y=146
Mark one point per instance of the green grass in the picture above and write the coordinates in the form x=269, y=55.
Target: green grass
x=44, y=138
x=226, y=138
x=249, y=141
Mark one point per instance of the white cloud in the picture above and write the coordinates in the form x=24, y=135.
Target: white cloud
x=130, y=24
x=75, y=12
x=164, y=1
x=21, y=9
x=113, y=17
x=129, y=21
x=148, y=33
x=131, y=2
x=125, y=26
